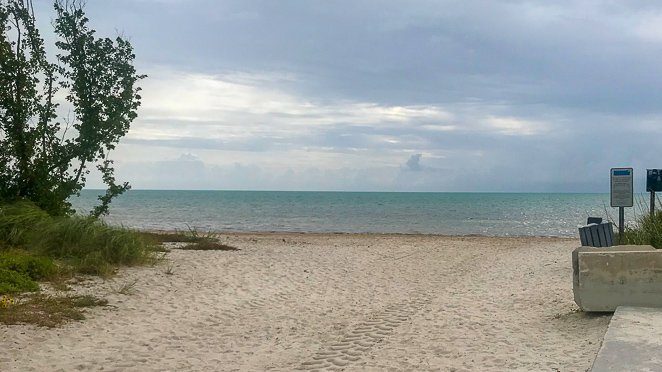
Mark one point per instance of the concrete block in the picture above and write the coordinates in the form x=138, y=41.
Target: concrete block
x=626, y=275
x=633, y=341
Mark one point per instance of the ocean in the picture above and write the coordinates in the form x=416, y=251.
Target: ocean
x=490, y=214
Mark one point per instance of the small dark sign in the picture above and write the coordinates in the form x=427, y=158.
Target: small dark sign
x=654, y=180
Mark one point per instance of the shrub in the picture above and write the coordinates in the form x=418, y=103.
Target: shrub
x=34, y=267
x=15, y=282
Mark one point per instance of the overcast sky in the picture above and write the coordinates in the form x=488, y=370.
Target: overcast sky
x=390, y=95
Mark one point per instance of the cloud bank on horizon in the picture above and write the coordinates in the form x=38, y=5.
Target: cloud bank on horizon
x=390, y=95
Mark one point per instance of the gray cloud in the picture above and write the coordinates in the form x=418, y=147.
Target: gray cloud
x=531, y=96
x=414, y=162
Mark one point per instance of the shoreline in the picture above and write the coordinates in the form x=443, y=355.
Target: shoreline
x=366, y=234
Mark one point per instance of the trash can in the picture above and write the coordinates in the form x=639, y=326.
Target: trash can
x=597, y=235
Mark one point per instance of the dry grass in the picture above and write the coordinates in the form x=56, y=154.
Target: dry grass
x=127, y=288
x=47, y=311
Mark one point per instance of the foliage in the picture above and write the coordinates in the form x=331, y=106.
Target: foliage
x=90, y=245
x=86, y=244
x=34, y=267
x=14, y=282
x=42, y=158
x=647, y=231
x=19, y=220
x=48, y=311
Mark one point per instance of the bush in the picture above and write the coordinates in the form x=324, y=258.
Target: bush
x=34, y=267
x=15, y=282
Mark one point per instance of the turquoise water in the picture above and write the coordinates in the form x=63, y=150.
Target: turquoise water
x=492, y=214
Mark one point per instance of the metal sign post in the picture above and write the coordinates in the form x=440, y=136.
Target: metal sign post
x=653, y=184
x=622, y=194
x=652, y=208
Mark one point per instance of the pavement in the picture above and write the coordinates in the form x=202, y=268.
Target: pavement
x=633, y=341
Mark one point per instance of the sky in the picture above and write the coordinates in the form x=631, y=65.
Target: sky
x=497, y=96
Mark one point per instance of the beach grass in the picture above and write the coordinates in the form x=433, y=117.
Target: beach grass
x=127, y=288
x=83, y=244
x=646, y=231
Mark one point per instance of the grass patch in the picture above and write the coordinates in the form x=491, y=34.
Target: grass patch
x=18, y=222
x=647, y=231
x=86, y=245
x=48, y=311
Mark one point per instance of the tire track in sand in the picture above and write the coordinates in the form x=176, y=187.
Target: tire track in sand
x=362, y=336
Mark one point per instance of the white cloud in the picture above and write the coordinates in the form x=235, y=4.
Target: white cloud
x=514, y=126
x=250, y=101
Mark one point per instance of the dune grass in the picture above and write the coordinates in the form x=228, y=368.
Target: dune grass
x=83, y=244
x=647, y=231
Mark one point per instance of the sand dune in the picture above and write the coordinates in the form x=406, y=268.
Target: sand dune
x=330, y=301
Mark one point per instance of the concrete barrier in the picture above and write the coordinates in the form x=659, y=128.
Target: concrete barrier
x=633, y=341
x=626, y=275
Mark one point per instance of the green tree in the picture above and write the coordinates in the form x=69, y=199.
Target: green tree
x=43, y=157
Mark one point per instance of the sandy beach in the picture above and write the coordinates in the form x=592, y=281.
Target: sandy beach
x=330, y=302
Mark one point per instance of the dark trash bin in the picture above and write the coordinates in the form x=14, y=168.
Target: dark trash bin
x=597, y=235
